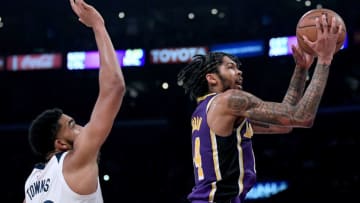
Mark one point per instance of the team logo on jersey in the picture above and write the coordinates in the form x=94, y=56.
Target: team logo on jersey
x=196, y=123
x=249, y=131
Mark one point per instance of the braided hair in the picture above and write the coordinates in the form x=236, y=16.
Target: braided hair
x=192, y=77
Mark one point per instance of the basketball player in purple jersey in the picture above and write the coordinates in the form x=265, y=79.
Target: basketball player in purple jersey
x=227, y=116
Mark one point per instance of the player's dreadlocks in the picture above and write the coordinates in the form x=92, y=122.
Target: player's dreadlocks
x=192, y=77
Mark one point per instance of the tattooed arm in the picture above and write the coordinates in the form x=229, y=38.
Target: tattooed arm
x=233, y=105
x=297, y=86
x=290, y=113
x=266, y=128
x=294, y=93
x=302, y=114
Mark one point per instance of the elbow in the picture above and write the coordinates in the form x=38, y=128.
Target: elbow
x=305, y=122
x=308, y=120
x=303, y=119
x=288, y=130
x=309, y=123
x=121, y=88
x=118, y=84
x=114, y=86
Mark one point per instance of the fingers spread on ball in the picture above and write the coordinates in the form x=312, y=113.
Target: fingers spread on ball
x=333, y=25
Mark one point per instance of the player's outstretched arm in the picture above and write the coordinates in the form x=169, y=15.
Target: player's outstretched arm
x=296, y=87
x=302, y=114
x=111, y=89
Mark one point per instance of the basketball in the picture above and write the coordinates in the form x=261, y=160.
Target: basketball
x=307, y=26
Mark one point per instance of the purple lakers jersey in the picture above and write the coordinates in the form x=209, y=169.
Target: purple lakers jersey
x=224, y=167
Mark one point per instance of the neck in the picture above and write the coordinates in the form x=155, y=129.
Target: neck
x=215, y=89
x=51, y=154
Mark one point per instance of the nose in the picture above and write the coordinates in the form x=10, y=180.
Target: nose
x=239, y=72
x=78, y=129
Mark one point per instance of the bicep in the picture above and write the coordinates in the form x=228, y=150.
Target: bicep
x=244, y=104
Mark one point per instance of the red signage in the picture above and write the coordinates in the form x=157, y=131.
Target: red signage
x=175, y=55
x=33, y=62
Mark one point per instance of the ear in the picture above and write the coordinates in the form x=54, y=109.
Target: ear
x=211, y=78
x=61, y=145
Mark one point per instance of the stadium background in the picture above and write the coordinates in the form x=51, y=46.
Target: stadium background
x=148, y=154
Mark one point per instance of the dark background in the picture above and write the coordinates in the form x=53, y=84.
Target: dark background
x=148, y=154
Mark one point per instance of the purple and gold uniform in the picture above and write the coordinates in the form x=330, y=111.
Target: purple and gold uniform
x=224, y=167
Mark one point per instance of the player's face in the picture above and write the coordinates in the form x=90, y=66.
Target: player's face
x=69, y=130
x=230, y=75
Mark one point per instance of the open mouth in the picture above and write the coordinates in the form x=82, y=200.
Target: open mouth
x=239, y=84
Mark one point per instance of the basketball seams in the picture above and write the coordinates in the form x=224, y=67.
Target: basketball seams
x=307, y=26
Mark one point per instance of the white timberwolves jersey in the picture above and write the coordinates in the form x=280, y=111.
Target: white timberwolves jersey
x=46, y=184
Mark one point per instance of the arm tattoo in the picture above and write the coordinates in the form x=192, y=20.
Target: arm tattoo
x=301, y=114
x=310, y=102
x=247, y=105
x=296, y=86
x=272, y=113
x=265, y=128
x=238, y=102
x=260, y=124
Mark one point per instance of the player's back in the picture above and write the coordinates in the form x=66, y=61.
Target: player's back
x=46, y=184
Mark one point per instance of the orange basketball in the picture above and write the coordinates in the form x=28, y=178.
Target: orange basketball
x=306, y=26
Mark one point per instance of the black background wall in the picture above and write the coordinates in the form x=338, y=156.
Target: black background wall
x=148, y=154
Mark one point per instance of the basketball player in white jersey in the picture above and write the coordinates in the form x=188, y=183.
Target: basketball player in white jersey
x=70, y=172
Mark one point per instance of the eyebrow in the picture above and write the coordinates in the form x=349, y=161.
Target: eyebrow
x=70, y=122
x=231, y=62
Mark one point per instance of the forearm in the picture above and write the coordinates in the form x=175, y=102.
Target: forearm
x=111, y=92
x=300, y=115
x=308, y=105
x=296, y=86
x=111, y=81
x=266, y=128
x=110, y=75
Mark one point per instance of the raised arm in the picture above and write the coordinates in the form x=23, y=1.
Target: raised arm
x=111, y=90
x=293, y=95
x=302, y=114
x=296, y=87
x=294, y=92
